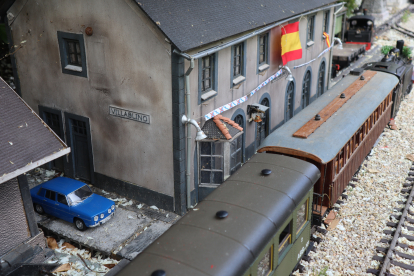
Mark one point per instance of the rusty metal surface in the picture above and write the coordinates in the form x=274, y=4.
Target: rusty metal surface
x=13, y=225
x=257, y=205
x=331, y=136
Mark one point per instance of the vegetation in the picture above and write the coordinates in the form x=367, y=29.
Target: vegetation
x=407, y=51
x=406, y=16
x=322, y=272
x=351, y=5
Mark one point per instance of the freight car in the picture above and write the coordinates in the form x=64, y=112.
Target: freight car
x=336, y=132
x=396, y=64
x=255, y=224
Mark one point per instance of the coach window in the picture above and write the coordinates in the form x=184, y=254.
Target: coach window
x=302, y=216
x=265, y=265
x=211, y=163
x=289, y=101
x=207, y=77
x=285, y=239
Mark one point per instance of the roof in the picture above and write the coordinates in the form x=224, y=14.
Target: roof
x=26, y=142
x=257, y=206
x=63, y=185
x=193, y=23
x=332, y=135
x=221, y=128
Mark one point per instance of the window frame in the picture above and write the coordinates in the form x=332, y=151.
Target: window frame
x=293, y=100
x=212, y=91
x=67, y=67
x=211, y=155
x=310, y=29
x=263, y=66
x=306, y=85
x=325, y=22
x=238, y=165
x=299, y=228
x=238, y=79
x=288, y=238
x=322, y=87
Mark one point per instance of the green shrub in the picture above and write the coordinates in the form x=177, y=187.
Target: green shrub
x=407, y=52
x=386, y=49
x=406, y=16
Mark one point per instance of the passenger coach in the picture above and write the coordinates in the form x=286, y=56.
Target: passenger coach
x=256, y=223
x=337, y=131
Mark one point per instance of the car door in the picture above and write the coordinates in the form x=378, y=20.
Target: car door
x=49, y=202
x=62, y=208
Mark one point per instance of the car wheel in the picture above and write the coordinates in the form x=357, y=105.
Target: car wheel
x=39, y=209
x=80, y=225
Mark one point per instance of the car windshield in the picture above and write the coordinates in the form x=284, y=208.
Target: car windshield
x=79, y=195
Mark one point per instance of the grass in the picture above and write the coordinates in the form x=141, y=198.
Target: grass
x=407, y=51
x=406, y=16
x=322, y=272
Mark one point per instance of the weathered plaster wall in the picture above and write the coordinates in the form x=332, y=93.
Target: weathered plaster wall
x=276, y=90
x=128, y=65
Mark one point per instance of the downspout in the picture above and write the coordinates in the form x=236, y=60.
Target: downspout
x=331, y=52
x=188, y=146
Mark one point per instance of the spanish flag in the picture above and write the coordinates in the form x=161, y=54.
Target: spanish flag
x=291, y=47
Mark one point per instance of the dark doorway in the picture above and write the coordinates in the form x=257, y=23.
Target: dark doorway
x=289, y=101
x=53, y=118
x=79, y=140
x=263, y=126
x=321, y=79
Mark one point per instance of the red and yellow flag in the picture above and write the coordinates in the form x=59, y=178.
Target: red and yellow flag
x=327, y=39
x=291, y=47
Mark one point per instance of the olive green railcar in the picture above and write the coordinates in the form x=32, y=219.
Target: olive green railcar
x=256, y=223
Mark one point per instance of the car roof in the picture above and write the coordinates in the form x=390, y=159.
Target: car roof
x=63, y=185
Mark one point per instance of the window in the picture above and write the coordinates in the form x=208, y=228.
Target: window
x=321, y=79
x=310, y=31
x=306, y=89
x=50, y=195
x=207, y=77
x=236, y=154
x=62, y=199
x=289, y=101
x=263, y=52
x=211, y=163
x=265, y=265
x=72, y=54
x=238, y=63
x=302, y=216
x=325, y=26
x=285, y=239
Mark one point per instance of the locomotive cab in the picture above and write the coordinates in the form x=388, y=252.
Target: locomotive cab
x=360, y=30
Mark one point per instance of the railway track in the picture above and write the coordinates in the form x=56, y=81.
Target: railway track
x=400, y=251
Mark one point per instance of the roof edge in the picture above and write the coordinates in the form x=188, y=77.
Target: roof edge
x=293, y=152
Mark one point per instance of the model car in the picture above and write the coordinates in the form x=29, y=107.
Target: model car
x=73, y=201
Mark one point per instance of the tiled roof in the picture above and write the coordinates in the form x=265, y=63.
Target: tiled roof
x=24, y=137
x=193, y=23
x=221, y=128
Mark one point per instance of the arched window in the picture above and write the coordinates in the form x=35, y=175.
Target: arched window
x=321, y=79
x=289, y=101
x=236, y=147
x=306, y=89
x=263, y=126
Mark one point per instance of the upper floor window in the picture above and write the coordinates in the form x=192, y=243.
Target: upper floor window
x=72, y=54
x=310, y=31
x=238, y=63
x=325, y=26
x=207, y=77
x=263, y=52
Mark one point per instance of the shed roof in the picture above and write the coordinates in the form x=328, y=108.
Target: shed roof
x=26, y=142
x=332, y=135
x=221, y=128
x=193, y=23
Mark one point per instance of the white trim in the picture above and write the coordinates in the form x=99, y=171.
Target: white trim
x=73, y=68
x=208, y=94
x=238, y=80
x=32, y=165
x=263, y=67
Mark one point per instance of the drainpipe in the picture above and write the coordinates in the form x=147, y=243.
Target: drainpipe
x=188, y=146
x=331, y=52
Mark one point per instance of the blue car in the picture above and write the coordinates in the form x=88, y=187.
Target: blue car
x=73, y=201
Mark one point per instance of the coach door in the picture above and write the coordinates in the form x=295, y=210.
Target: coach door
x=80, y=143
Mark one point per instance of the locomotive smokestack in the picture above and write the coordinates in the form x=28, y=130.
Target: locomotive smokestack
x=400, y=45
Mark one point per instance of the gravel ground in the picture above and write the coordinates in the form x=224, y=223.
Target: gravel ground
x=348, y=249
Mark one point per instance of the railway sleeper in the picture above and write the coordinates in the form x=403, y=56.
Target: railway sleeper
x=409, y=228
x=408, y=237
x=381, y=249
x=321, y=230
x=385, y=241
x=406, y=256
x=389, y=232
x=412, y=169
x=352, y=185
x=410, y=179
x=354, y=179
x=411, y=173
x=316, y=239
x=392, y=224
x=373, y=271
x=344, y=197
x=399, y=209
x=402, y=265
x=405, y=185
x=405, y=191
x=378, y=258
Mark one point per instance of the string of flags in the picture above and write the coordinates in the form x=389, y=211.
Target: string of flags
x=232, y=104
x=291, y=50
